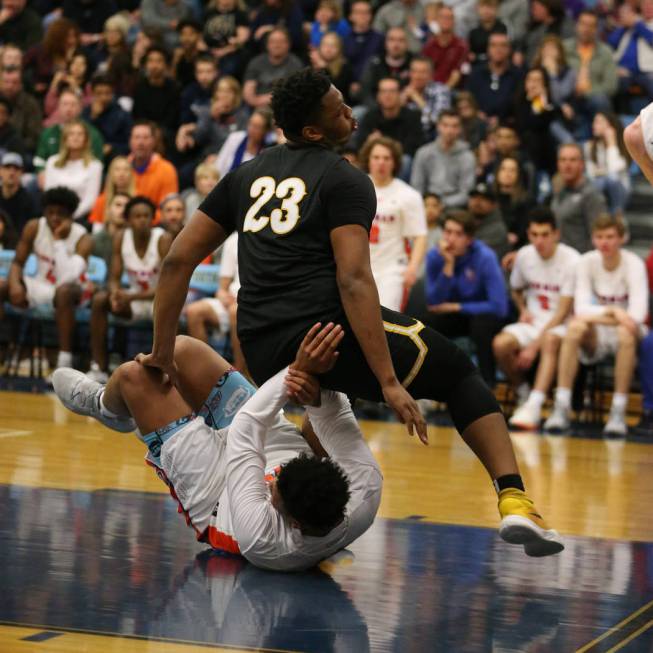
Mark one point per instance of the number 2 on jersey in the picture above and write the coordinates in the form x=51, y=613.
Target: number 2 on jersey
x=290, y=191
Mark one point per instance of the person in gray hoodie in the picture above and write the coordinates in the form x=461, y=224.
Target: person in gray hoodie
x=446, y=166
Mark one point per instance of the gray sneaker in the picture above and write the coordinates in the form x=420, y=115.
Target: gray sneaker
x=82, y=395
x=616, y=426
x=558, y=421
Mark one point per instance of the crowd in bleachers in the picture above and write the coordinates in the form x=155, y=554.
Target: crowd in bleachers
x=117, y=117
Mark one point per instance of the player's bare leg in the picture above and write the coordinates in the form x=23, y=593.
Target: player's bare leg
x=548, y=362
x=506, y=351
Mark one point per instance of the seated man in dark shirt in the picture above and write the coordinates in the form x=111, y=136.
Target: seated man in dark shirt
x=15, y=201
x=362, y=43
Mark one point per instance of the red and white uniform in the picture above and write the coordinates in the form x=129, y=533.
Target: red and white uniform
x=399, y=216
x=597, y=289
x=57, y=263
x=143, y=273
x=544, y=282
x=229, y=269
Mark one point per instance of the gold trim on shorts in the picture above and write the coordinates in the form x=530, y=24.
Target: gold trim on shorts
x=411, y=332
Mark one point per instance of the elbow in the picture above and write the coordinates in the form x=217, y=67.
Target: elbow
x=352, y=282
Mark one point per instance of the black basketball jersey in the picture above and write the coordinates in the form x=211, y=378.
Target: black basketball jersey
x=284, y=204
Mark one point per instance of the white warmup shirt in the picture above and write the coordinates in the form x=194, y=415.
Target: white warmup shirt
x=143, y=273
x=84, y=180
x=264, y=536
x=229, y=262
x=544, y=281
x=597, y=288
x=55, y=256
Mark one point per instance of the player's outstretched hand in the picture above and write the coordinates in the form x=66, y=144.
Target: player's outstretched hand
x=168, y=367
x=406, y=410
x=318, y=352
x=303, y=388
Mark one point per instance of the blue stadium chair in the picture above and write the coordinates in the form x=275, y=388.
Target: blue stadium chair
x=6, y=257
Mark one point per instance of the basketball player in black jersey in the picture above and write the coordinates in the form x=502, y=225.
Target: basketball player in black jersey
x=303, y=216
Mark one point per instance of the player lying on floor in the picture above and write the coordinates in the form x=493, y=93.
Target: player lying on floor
x=246, y=482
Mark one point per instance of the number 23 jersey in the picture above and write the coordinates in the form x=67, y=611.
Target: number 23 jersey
x=284, y=204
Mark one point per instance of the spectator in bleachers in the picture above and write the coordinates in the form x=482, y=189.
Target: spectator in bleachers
x=465, y=290
x=138, y=251
x=328, y=18
x=363, y=42
x=62, y=248
x=242, y=146
x=490, y=227
x=114, y=222
x=542, y=285
x=226, y=33
x=479, y=37
x=266, y=68
x=120, y=179
x=433, y=211
x=26, y=114
x=90, y=16
x=398, y=232
x=608, y=162
x=52, y=55
x=75, y=167
x=446, y=166
x=156, y=96
x=495, y=83
x=501, y=142
x=19, y=24
x=474, y=127
x=596, y=71
x=173, y=214
x=163, y=16
x=514, y=202
x=75, y=77
x=219, y=312
x=576, y=203
x=267, y=19
x=8, y=236
x=113, y=57
x=328, y=57
x=69, y=108
x=108, y=117
x=447, y=51
x=406, y=14
x=610, y=309
x=548, y=17
x=389, y=118
x=197, y=95
x=516, y=15
x=633, y=45
x=155, y=176
x=10, y=141
x=15, y=201
x=424, y=95
x=206, y=177
x=190, y=47
x=394, y=62
x=11, y=56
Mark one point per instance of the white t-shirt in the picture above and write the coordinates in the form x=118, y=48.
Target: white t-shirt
x=229, y=262
x=54, y=256
x=264, y=536
x=399, y=215
x=626, y=286
x=143, y=272
x=544, y=281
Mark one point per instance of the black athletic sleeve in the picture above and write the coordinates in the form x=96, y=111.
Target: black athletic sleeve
x=348, y=196
x=218, y=206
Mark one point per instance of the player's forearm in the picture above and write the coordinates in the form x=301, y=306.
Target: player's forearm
x=360, y=300
x=417, y=253
x=168, y=301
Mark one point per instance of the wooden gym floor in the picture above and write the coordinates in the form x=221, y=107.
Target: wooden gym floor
x=93, y=556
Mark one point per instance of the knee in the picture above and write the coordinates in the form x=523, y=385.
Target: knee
x=131, y=373
x=626, y=337
x=502, y=344
x=183, y=344
x=634, y=138
x=550, y=343
x=100, y=300
x=576, y=330
x=66, y=295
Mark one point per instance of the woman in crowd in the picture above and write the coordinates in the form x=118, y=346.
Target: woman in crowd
x=75, y=78
x=328, y=56
x=120, y=179
x=75, y=167
x=607, y=161
x=474, y=127
x=243, y=146
x=206, y=177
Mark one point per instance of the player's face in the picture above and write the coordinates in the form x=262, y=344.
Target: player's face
x=336, y=122
x=55, y=216
x=140, y=218
x=543, y=237
x=607, y=241
x=455, y=238
x=381, y=162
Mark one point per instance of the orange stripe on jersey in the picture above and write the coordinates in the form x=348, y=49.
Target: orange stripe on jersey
x=273, y=474
x=219, y=540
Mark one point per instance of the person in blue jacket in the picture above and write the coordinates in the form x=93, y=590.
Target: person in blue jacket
x=466, y=292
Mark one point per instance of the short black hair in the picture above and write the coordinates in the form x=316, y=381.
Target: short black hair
x=541, y=215
x=314, y=492
x=157, y=48
x=139, y=199
x=63, y=197
x=101, y=80
x=188, y=22
x=435, y=196
x=296, y=100
x=205, y=57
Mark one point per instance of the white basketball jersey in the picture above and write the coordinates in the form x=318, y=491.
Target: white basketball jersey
x=44, y=249
x=143, y=272
x=544, y=281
